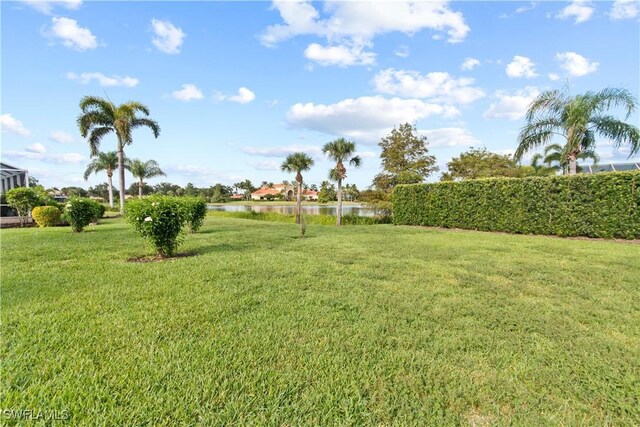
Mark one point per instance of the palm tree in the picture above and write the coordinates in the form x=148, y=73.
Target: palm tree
x=298, y=163
x=555, y=157
x=578, y=119
x=100, y=117
x=104, y=162
x=144, y=170
x=341, y=151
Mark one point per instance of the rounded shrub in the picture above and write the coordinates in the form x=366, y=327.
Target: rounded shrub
x=46, y=216
x=158, y=219
x=79, y=212
x=196, y=211
x=98, y=210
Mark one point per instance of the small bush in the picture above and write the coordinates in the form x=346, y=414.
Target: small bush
x=196, y=211
x=159, y=219
x=46, y=216
x=80, y=212
x=98, y=210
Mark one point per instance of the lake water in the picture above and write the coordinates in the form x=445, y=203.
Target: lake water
x=358, y=210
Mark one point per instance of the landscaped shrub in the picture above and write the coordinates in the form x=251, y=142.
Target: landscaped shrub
x=46, y=216
x=196, y=210
x=80, y=212
x=158, y=219
x=23, y=200
x=600, y=205
x=98, y=210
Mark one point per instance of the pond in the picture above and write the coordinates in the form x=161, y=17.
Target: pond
x=316, y=209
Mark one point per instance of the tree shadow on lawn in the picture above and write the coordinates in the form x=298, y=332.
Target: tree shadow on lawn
x=201, y=250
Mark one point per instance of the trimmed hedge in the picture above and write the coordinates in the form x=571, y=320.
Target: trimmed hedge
x=46, y=216
x=600, y=205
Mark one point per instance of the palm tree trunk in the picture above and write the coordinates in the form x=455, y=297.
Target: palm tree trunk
x=140, y=183
x=110, y=180
x=573, y=166
x=121, y=173
x=299, y=201
x=339, y=212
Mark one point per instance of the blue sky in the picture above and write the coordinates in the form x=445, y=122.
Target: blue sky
x=238, y=86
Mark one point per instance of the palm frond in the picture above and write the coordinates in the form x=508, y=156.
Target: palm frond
x=96, y=137
x=617, y=131
x=151, y=124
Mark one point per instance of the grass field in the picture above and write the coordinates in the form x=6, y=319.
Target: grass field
x=356, y=325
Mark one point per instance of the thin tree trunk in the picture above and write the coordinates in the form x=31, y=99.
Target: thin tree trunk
x=110, y=179
x=140, y=183
x=298, y=201
x=121, y=173
x=339, y=212
x=573, y=166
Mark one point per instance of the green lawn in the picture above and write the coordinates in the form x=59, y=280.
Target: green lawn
x=357, y=325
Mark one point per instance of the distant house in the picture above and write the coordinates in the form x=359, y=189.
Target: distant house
x=236, y=197
x=310, y=195
x=13, y=177
x=284, y=190
x=274, y=190
x=609, y=167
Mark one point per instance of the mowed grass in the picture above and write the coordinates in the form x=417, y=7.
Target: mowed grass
x=359, y=325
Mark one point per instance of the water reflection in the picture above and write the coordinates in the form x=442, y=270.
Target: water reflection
x=358, y=210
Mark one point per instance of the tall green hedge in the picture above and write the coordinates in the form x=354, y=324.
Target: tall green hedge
x=600, y=205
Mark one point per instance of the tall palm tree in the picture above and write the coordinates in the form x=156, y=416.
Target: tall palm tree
x=340, y=151
x=108, y=162
x=101, y=117
x=555, y=157
x=298, y=163
x=144, y=170
x=578, y=119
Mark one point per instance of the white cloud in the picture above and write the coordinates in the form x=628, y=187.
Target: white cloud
x=402, y=51
x=282, y=150
x=47, y=6
x=10, y=124
x=168, y=37
x=511, y=106
x=580, y=10
x=366, y=118
x=367, y=154
x=438, y=86
x=575, y=64
x=523, y=9
x=103, y=80
x=201, y=175
x=355, y=24
x=189, y=92
x=38, y=151
x=521, y=66
x=36, y=148
x=265, y=165
x=449, y=137
x=554, y=77
x=470, y=63
x=624, y=9
x=340, y=55
x=72, y=35
x=244, y=96
x=61, y=137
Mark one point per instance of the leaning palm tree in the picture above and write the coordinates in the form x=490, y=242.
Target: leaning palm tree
x=555, y=157
x=144, y=170
x=101, y=117
x=341, y=151
x=104, y=162
x=298, y=163
x=578, y=119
